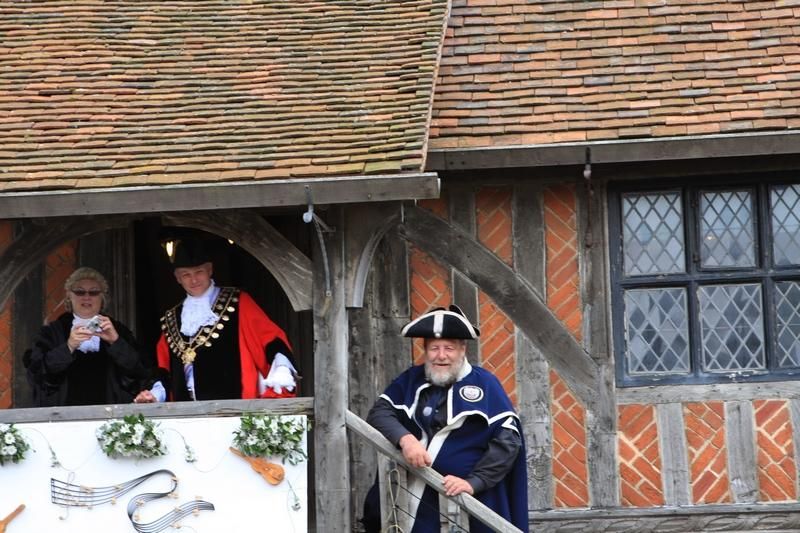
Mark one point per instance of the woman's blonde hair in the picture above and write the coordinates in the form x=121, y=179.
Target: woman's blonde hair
x=81, y=274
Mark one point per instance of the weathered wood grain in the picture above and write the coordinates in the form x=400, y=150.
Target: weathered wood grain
x=740, y=440
x=331, y=465
x=533, y=398
x=711, y=392
x=674, y=453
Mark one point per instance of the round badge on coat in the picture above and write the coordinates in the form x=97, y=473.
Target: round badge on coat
x=471, y=393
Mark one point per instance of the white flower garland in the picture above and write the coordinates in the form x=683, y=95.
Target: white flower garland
x=12, y=444
x=133, y=436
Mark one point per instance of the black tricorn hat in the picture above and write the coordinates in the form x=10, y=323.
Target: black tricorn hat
x=442, y=323
x=190, y=253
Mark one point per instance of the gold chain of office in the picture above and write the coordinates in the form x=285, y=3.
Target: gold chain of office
x=205, y=336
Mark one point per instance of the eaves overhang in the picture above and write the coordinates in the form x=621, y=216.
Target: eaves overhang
x=616, y=152
x=227, y=195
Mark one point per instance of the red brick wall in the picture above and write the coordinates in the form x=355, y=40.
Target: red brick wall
x=6, y=353
x=570, y=471
x=561, y=242
x=777, y=474
x=493, y=219
x=708, y=454
x=429, y=281
x=639, y=457
x=570, y=474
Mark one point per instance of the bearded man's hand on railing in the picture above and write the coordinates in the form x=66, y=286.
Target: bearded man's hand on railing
x=414, y=452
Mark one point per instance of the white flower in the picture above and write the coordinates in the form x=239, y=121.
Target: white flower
x=9, y=438
x=9, y=450
x=125, y=429
x=4, y=428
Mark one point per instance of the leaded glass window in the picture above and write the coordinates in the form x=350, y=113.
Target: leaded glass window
x=785, y=207
x=656, y=334
x=727, y=235
x=731, y=327
x=653, y=233
x=706, y=282
x=787, y=305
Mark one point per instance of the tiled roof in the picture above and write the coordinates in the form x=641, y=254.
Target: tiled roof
x=97, y=93
x=517, y=72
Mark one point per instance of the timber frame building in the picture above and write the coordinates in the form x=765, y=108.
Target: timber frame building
x=609, y=189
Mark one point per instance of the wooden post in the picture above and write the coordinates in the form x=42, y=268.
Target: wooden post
x=330, y=376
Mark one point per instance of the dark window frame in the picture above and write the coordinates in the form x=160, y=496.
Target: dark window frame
x=764, y=273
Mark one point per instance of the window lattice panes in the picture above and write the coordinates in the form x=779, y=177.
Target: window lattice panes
x=787, y=305
x=656, y=331
x=785, y=208
x=727, y=230
x=731, y=326
x=652, y=229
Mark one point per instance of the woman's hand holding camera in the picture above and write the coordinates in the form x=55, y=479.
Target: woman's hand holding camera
x=99, y=325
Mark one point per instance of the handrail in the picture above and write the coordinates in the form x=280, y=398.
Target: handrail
x=431, y=477
x=207, y=408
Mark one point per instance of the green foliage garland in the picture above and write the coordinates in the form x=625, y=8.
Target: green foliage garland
x=270, y=436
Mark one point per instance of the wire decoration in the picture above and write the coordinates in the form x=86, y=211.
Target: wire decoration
x=72, y=495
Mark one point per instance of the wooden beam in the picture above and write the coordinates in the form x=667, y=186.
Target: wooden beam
x=289, y=266
x=510, y=292
x=740, y=518
x=33, y=245
x=366, y=225
x=674, y=453
x=601, y=417
x=740, y=438
x=774, y=390
x=615, y=152
x=331, y=463
x=287, y=406
x=230, y=195
x=533, y=394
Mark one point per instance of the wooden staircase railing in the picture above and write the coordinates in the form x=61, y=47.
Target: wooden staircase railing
x=455, y=510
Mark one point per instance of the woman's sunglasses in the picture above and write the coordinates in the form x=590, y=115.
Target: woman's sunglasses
x=84, y=292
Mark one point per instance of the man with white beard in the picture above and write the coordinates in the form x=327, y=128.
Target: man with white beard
x=456, y=418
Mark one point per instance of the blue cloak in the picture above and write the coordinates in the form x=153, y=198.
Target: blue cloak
x=477, y=408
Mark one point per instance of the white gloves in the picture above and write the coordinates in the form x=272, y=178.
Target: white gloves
x=281, y=375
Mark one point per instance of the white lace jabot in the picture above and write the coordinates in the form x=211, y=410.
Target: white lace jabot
x=197, y=312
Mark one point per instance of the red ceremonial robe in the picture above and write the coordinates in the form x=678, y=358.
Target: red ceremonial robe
x=258, y=339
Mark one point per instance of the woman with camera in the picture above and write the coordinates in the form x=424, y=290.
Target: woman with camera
x=84, y=357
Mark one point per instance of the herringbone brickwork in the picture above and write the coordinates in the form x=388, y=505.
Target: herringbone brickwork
x=494, y=221
x=58, y=266
x=429, y=281
x=777, y=474
x=708, y=454
x=6, y=332
x=639, y=457
x=561, y=242
x=497, y=344
x=430, y=287
x=570, y=471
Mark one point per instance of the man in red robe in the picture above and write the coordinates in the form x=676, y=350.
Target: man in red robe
x=218, y=343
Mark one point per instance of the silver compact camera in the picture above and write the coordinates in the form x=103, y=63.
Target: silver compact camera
x=94, y=324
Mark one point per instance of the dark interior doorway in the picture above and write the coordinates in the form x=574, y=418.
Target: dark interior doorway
x=157, y=291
